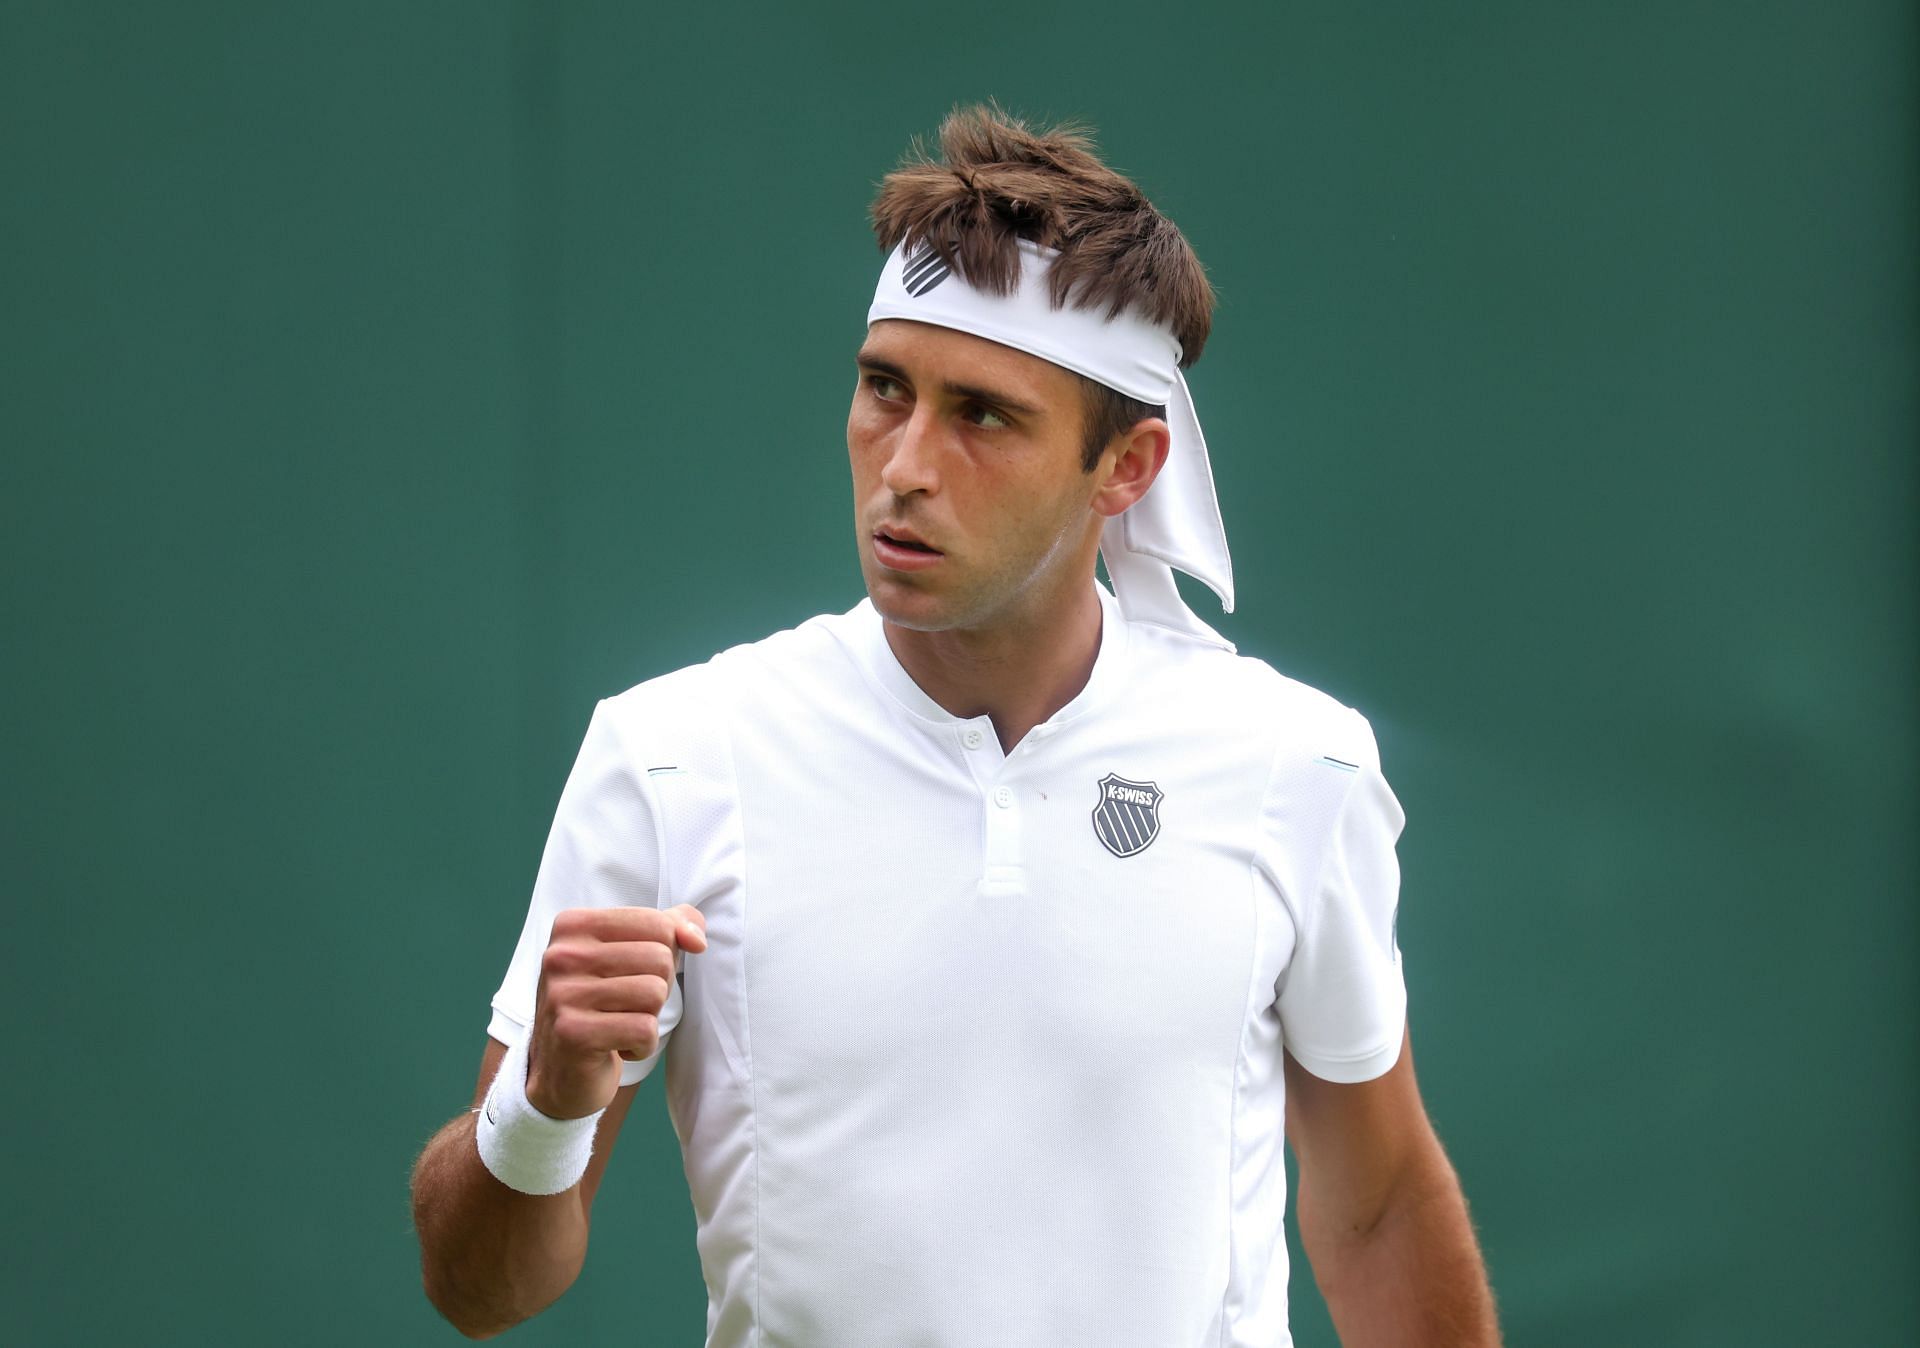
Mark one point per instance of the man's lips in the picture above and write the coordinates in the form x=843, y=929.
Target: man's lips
x=902, y=550
x=905, y=538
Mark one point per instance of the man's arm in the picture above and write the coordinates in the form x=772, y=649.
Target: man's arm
x=1382, y=1216
x=491, y=1256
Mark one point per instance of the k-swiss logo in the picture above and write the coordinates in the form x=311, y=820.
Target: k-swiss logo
x=1128, y=815
x=921, y=270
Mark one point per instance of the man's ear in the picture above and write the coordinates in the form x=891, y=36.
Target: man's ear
x=1131, y=462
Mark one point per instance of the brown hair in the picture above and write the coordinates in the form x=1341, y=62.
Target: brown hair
x=996, y=182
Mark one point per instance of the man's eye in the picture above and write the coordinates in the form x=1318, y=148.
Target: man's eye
x=883, y=387
x=989, y=419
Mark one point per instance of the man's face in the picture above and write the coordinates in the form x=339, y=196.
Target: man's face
x=971, y=451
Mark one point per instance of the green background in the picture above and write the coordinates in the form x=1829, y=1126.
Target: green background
x=385, y=383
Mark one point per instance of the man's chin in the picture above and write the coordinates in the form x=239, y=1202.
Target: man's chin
x=906, y=605
x=914, y=616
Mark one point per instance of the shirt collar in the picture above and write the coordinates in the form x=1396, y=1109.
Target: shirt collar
x=869, y=646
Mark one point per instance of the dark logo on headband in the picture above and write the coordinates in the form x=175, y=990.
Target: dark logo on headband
x=921, y=270
x=1127, y=816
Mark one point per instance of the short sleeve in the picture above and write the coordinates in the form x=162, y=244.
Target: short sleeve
x=602, y=852
x=1342, y=998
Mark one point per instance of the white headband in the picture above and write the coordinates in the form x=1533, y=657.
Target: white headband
x=1177, y=523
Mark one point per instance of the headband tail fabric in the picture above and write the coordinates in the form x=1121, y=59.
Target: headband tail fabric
x=1147, y=593
x=1177, y=524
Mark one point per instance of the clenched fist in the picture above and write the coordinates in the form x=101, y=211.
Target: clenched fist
x=605, y=975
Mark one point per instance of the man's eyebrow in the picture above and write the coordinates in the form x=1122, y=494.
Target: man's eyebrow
x=973, y=391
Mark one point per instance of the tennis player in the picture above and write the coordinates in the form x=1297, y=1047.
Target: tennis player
x=995, y=932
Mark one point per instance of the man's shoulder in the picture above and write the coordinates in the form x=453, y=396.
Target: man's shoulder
x=815, y=650
x=1228, y=686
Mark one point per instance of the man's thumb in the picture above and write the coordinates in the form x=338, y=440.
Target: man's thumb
x=689, y=927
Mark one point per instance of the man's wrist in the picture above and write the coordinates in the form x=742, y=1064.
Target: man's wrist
x=520, y=1146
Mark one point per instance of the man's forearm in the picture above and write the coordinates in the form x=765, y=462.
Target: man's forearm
x=1415, y=1279
x=490, y=1256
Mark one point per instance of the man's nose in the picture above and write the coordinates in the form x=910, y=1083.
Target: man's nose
x=912, y=458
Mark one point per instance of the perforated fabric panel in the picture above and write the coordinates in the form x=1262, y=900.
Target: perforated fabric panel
x=603, y=851
x=1342, y=999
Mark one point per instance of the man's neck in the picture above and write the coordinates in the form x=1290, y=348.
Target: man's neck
x=1017, y=674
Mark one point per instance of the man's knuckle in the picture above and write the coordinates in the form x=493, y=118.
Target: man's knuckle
x=560, y=989
x=572, y=1024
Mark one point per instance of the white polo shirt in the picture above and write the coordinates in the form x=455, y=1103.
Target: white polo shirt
x=985, y=1049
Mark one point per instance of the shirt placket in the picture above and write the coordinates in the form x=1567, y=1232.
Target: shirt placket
x=1002, y=870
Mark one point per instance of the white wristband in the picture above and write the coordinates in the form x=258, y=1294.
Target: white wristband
x=524, y=1148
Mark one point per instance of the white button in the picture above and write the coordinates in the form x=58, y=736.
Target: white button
x=972, y=739
x=1003, y=796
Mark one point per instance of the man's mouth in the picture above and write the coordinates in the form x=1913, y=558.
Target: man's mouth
x=900, y=541
x=898, y=550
